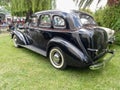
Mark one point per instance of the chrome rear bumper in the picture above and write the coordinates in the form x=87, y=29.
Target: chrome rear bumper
x=101, y=64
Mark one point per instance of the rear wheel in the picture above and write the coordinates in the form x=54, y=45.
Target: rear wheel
x=15, y=41
x=57, y=58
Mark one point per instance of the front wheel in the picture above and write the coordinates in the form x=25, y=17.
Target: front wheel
x=57, y=58
x=15, y=41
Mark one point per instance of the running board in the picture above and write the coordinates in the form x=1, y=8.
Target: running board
x=34, y=49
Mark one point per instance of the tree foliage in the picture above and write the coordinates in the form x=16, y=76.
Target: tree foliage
x=110, y=17
x=20, y=7
x=5, y=4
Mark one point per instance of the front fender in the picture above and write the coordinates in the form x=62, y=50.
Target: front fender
x=19, y=35
x=68, y=48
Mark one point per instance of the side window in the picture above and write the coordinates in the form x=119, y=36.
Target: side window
x=34, y=21
x=59, y=22
x=45, y=21
x=84, y=21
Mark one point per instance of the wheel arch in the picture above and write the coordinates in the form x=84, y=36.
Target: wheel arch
x=67, y=47
x=20, y=36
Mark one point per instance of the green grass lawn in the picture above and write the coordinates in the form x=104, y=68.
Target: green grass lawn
x=21, y=69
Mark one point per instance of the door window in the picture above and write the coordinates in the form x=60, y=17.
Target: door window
x=34, y=21
x=45, y=21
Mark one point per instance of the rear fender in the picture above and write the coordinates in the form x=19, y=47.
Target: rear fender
x=20, y=36
x=68, y=48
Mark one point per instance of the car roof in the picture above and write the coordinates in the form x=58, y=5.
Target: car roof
x=62, y=12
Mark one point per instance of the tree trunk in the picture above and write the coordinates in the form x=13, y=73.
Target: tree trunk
x=28, y=15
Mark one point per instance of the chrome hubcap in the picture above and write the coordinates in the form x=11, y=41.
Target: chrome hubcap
x=15, y=41
x=56, y=58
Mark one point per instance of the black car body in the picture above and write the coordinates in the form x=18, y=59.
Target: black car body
x=67, y=38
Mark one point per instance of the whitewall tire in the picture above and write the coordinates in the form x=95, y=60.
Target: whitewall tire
x=57, y=58
x=15, y=41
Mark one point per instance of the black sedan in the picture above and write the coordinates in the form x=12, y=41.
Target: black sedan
x=66, y=37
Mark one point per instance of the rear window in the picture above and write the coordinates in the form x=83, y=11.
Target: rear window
x=59, y=22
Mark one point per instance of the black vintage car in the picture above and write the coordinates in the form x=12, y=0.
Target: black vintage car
x=66, y=37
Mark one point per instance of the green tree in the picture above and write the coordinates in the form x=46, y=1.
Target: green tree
x=5, y=4
x=20, y=7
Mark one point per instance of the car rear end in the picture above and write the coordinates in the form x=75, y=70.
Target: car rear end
x=94, y=40
x=96, y=43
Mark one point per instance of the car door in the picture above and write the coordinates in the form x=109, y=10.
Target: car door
x=32, y=30
x=49, y=27
x=44, y=31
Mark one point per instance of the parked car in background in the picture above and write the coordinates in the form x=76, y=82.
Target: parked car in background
x=67, y=38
